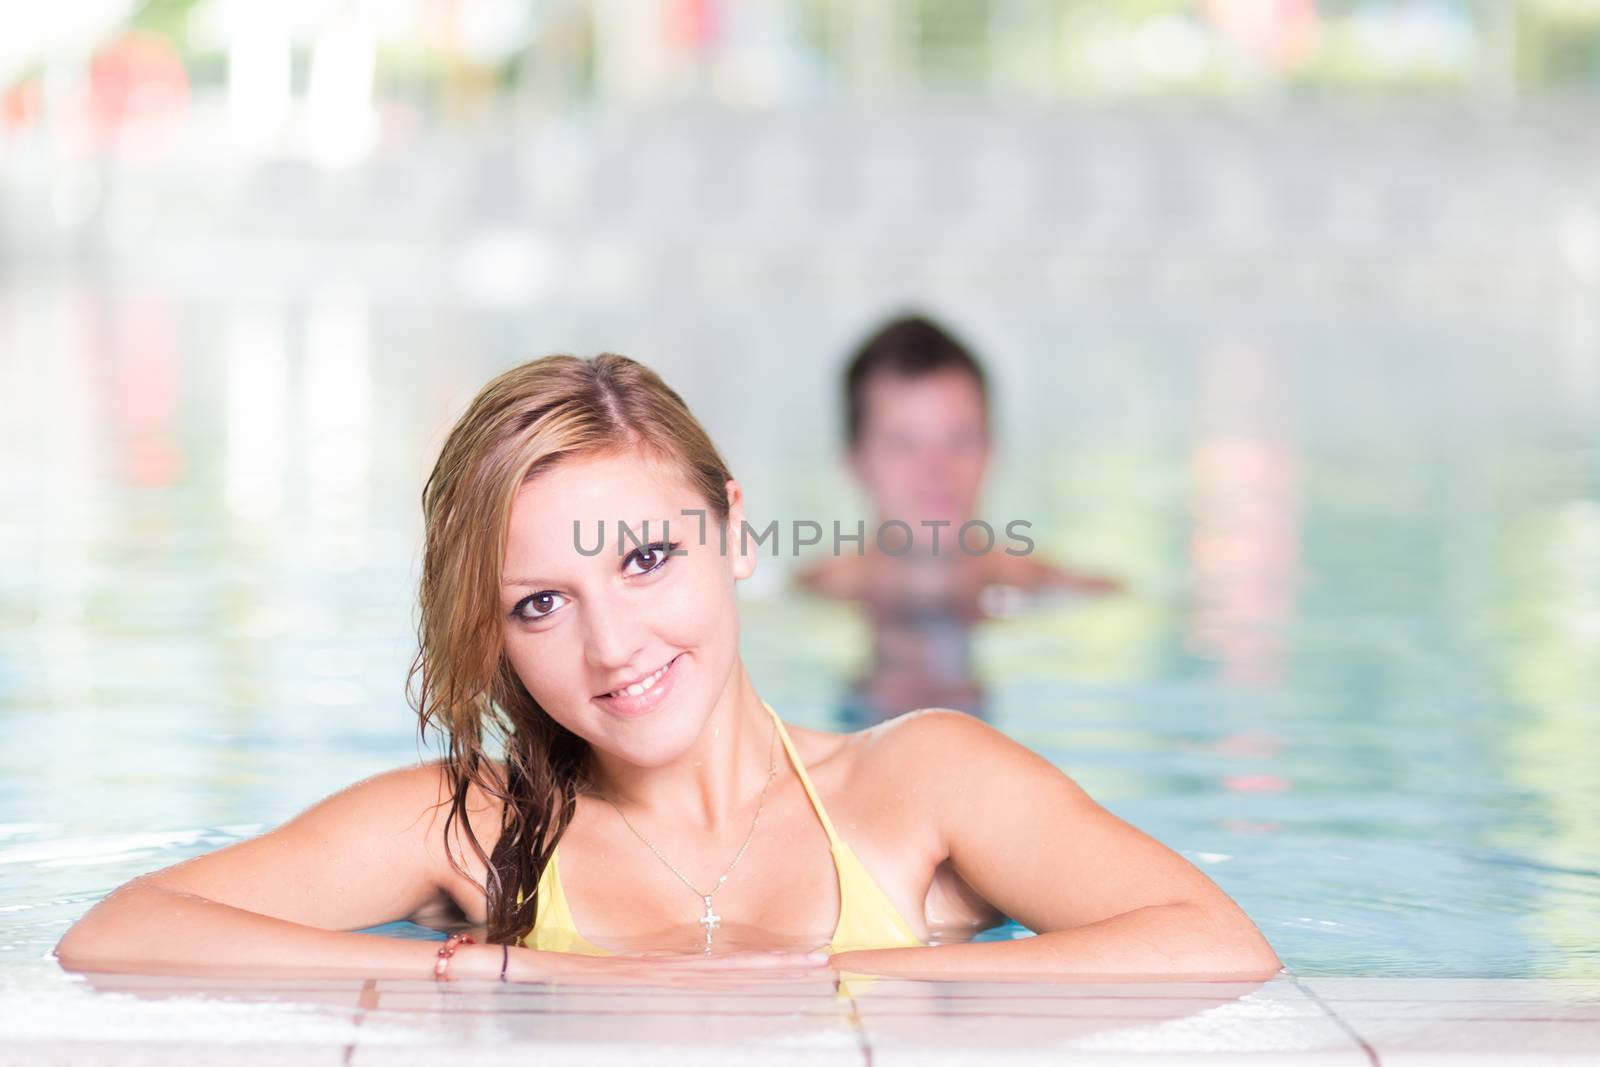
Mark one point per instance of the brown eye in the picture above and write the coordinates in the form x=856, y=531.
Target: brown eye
x=538, y=605
x=652, y=557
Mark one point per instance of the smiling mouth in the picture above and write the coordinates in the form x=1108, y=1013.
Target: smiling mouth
x=643, y=685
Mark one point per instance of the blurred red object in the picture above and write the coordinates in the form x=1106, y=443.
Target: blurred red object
x=21, y=106
x=137, y=84
x=692, y=24
x=1282, y=32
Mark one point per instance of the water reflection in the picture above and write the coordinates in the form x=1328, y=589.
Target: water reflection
x=144, y=384
x=257, y=423
x=338, y=416
x=1547, y=622
x=1243, y=553
x=920, y=621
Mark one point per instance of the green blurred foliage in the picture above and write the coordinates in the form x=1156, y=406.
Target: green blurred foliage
x=1044, y=48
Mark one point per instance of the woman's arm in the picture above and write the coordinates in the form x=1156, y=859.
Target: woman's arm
x=149, y=929
x=284, y=902
x=1105, y=898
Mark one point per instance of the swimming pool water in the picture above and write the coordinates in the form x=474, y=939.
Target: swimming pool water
x=1354, y=680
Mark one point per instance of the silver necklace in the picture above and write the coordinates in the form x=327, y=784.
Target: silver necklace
x=711, y=920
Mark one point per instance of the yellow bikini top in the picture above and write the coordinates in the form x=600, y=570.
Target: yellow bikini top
x=867, y=919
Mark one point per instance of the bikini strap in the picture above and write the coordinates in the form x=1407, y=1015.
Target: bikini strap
x=805, y=779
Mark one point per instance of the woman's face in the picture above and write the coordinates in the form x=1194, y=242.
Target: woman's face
x=580, y=626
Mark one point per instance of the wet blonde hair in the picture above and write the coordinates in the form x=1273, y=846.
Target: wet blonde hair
x=521, y=424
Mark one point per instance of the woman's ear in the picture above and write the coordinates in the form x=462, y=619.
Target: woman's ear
x=743, y=556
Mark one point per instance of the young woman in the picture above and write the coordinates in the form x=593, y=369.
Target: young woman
x=578, y=611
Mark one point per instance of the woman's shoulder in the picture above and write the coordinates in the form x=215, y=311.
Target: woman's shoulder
x=924, y=744
x=420, y=796
x=906, y=779
x=425, y=780
x=931, y=738
x=949, y=772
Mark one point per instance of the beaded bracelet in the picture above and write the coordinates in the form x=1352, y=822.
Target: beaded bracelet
x=441, y=966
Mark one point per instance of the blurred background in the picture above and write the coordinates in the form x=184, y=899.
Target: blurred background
x=1292, y=309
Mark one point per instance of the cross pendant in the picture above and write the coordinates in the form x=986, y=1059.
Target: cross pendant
x=711, y=919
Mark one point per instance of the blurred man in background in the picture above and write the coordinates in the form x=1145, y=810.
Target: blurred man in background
x=918, y=438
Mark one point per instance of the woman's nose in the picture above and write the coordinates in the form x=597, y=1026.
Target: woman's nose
x=613, y=634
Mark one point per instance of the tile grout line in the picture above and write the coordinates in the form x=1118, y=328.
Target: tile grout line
x=1370, y=1052
x=856, y=1022
x=367, y=1001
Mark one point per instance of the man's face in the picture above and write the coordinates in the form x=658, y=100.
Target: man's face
x=924, y=446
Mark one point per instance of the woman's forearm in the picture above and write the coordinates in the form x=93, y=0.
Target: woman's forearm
x=149, y=929
x=1165, y=941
